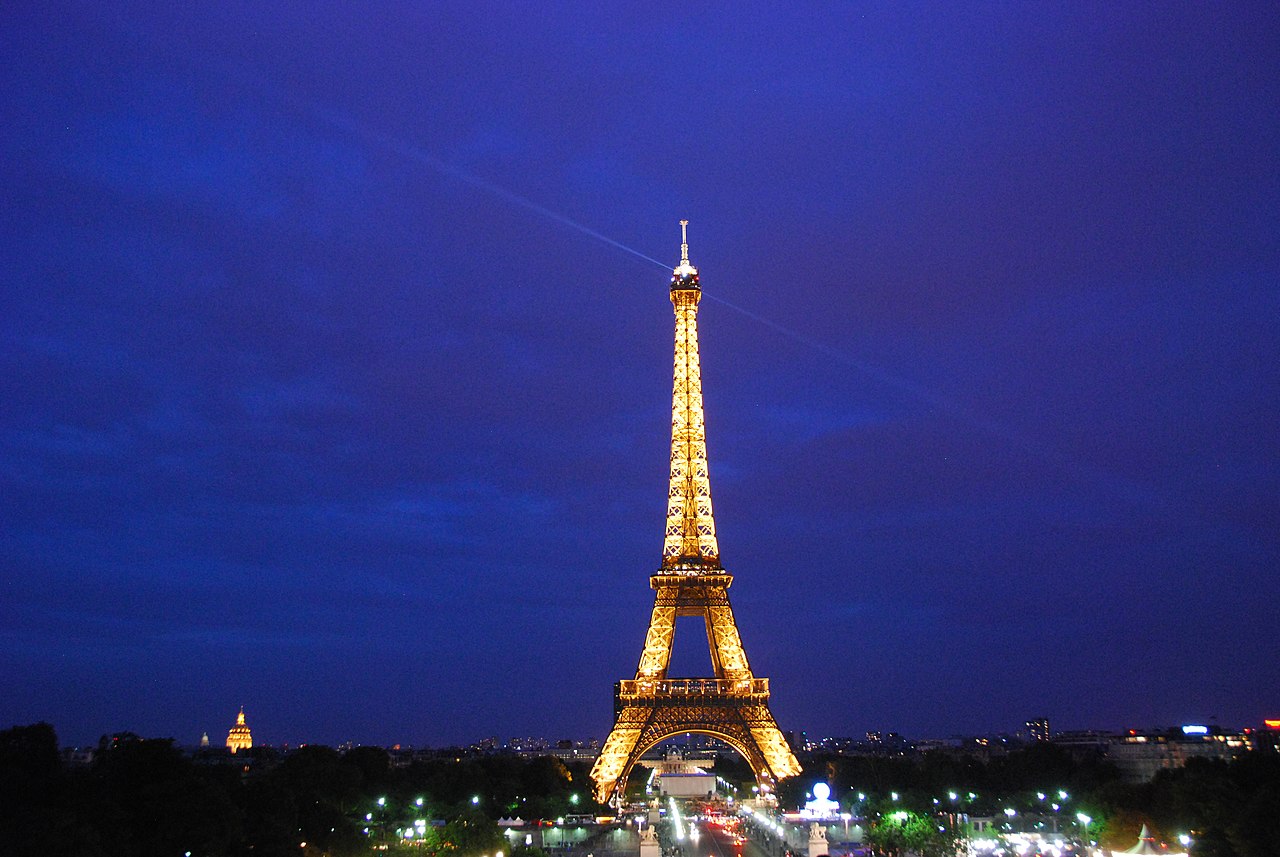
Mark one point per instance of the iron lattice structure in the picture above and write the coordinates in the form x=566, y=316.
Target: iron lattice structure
x=732, y=705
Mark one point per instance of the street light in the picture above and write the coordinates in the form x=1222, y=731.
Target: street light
x=1085, y=820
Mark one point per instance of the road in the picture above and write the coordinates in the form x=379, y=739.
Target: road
x=717, y=841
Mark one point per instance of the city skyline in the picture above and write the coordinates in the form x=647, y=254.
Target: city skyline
x=337, y=371
x=799, y=734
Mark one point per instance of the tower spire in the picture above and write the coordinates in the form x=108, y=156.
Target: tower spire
x=684, y=270
x=690, y=544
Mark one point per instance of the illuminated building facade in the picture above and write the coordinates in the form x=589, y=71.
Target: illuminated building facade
x=1141, y=755
x=1038, y=729
x=239, y=738
x=732, y=705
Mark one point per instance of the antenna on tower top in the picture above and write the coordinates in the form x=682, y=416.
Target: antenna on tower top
x=685, y=274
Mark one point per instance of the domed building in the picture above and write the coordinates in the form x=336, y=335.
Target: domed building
x=239, y=738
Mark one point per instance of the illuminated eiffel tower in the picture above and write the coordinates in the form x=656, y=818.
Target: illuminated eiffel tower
x=732, y=705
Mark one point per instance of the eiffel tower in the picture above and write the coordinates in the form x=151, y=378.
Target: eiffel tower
x=732, y=704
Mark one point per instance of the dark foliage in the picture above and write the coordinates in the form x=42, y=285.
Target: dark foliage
x=144, y=797
x=1230, y=808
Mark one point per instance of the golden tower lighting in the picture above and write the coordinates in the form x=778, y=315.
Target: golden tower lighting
x=239, y=738
x=732, y=704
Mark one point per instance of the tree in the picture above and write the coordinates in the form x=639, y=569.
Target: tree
x=909, y=831
x=374, y=765
x=1255, y=830
x=162, y=804
x=471, y=832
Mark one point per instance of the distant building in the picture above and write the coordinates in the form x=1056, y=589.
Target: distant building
x=204, y=741
x=677, y=776
x=239, y=738
x=77, y=757
x=1141, y=755
x=1267, y=739
x=1038, y=729
x=1085, y=739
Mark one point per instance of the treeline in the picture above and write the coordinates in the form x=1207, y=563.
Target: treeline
x=920, y=780
x=146, y=797
x=1230, y=809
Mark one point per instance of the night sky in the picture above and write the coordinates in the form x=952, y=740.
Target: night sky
x=336, y=362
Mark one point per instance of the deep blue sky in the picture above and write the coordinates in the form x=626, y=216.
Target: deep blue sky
x=303, y=410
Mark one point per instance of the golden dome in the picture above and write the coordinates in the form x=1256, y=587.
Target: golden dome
x=239, y=738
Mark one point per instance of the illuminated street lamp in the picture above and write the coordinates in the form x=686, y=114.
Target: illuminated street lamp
x=1085, y=820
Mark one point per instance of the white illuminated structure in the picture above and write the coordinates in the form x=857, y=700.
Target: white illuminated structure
x=1147, y=845
x=822, y=807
